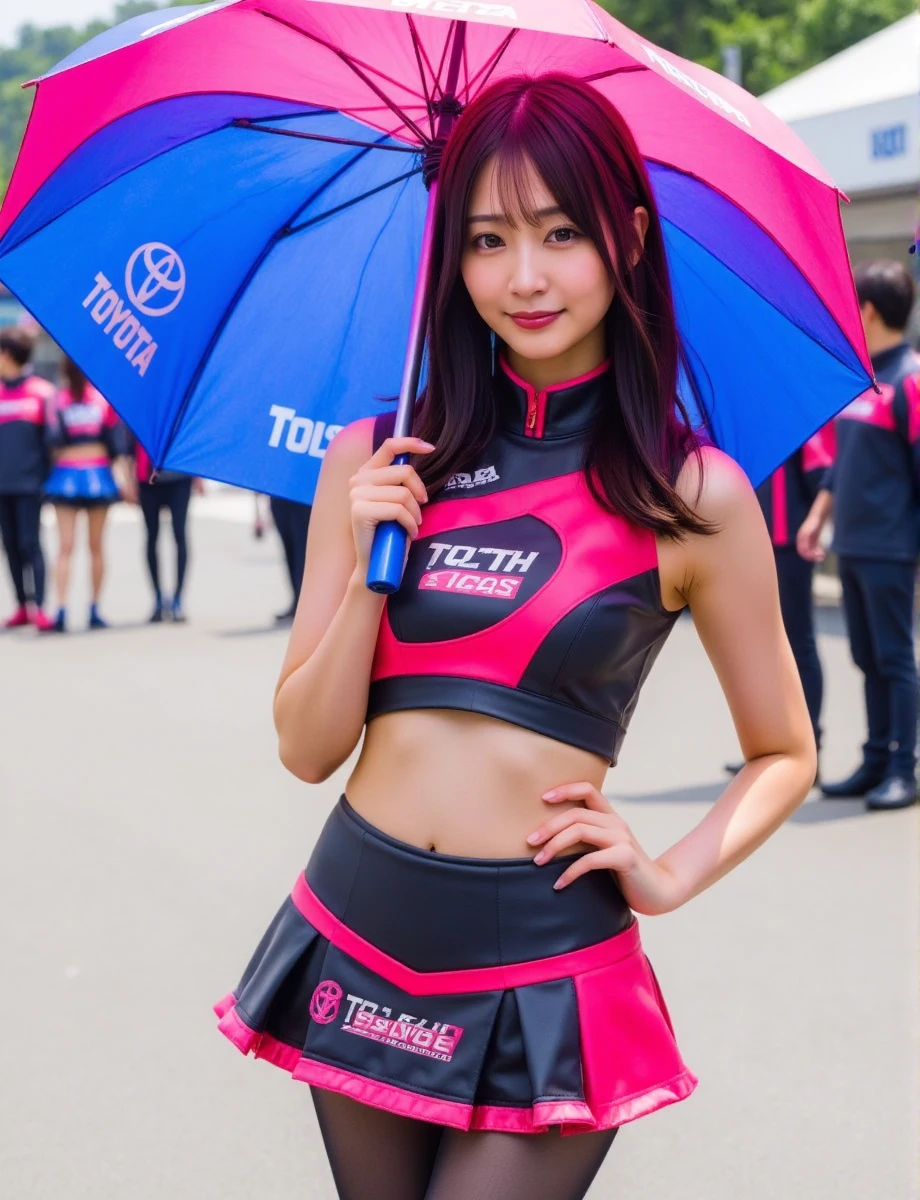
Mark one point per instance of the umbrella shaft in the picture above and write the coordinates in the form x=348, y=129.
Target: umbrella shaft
x=419, y=318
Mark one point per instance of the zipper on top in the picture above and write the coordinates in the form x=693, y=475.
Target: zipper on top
x=535, y=421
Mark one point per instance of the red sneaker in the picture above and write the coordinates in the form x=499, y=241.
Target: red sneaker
x=19, y=618
x=43, y=623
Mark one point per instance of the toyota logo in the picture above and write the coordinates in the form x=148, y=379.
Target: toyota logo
x=325, y=1001
x=155, y=279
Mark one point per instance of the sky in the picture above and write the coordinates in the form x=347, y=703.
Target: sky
x=14, y=13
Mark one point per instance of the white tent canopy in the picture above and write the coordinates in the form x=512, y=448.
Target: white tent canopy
x=859, y=112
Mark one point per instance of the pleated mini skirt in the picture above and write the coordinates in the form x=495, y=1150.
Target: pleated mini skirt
x=466, y=992
x=82, y=485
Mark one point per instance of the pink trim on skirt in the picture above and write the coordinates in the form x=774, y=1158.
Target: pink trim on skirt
x=630, y=1062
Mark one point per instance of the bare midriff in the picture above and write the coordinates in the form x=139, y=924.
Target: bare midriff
x=466, y=784
x=81, y=453
x=462, y=783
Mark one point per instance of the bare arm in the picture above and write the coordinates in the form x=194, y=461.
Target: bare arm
x=321, y=697
x=729, y=581
x=730, y=586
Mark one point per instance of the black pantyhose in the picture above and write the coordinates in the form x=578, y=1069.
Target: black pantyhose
x=376, y=1155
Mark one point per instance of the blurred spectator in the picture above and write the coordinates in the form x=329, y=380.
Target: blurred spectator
x=24, y=403
x=170, y=490
x=874, y=492
x=292, y=521
x=786, y=498
x=86, y=438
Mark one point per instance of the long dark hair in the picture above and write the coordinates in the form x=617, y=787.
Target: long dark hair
x=74, y=379
x=586, y=155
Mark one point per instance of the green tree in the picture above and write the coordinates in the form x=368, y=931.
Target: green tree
x=778, y=38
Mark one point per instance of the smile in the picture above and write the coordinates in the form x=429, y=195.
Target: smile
x=534, y=320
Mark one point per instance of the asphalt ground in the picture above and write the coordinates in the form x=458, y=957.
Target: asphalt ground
x=148, y=834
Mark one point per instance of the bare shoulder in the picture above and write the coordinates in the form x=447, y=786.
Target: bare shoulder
x=351, y=447
x=715, y=487
x=719, y=493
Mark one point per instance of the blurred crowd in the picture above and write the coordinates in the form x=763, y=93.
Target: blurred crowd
x=65, y=446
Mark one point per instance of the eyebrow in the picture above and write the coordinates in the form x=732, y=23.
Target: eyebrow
x=555, y=211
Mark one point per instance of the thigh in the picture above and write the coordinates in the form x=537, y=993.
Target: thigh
x=857, y=616
x=67, y=524
x=889, y=598
x=8, y=520
x=97, y=518
x=795, y=578
x=517, y=1166
x=28, y=524
x=177, y=502
x=149, y=500
x=375, y=1155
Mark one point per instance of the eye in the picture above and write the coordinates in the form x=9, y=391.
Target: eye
x=563, y=235
x=487, y=241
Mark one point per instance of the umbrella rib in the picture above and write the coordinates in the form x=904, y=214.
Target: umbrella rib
x=446, y=46
x=239, y=293
x=417, y=47
x=353, y=66
x=245, y=123
x=487, y=68
x=290, y=229
x=613, y=71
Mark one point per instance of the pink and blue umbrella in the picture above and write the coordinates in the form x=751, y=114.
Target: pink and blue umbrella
x=218, y=212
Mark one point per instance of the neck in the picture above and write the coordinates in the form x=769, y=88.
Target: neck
x=582, y=358
x=14, y=376
x=884, y=339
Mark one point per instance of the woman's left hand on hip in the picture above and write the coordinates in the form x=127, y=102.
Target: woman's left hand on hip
x=647, y=886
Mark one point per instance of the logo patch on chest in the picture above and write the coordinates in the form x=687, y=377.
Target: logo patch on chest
x=499, y=587
x=465, y=479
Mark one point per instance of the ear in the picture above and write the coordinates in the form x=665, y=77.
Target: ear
x=640, y=224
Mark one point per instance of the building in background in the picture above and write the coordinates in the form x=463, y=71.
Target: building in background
x=859, y=114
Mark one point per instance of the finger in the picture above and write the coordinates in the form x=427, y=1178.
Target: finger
x=564, y=819
x=595, y=861
x=388, y=495
x=594, y=835
x=395, y=446
x=586, y=792
x=393, y=475
x=377, y=514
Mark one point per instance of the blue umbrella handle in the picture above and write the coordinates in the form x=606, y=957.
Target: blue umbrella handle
x=388, y=553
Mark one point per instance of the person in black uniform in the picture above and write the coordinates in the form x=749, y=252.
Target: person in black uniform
x=292, y=521
x=873, y=490
x=786, y=498
x=25, y=400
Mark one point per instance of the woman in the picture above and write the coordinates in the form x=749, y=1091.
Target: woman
x=467, y=916
x=172, y=491
x=87, y=440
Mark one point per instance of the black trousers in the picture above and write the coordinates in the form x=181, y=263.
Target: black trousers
x=291, y=521
x=174, y=495
x=795, y=597
x=20, y=524
x=878, y=600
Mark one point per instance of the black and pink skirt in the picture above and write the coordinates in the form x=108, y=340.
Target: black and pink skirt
x=461, y=991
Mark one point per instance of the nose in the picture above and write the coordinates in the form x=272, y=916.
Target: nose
x=528, y=277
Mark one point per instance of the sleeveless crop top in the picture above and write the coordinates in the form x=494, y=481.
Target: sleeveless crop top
x=522, y=598
x=80, y=422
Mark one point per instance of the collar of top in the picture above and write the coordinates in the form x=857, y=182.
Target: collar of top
x=559, y=411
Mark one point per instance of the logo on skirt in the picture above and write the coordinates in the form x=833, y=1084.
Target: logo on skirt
x=367, y=1019
x=325, y=1001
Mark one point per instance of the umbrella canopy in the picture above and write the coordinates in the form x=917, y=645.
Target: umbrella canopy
x=218, y=211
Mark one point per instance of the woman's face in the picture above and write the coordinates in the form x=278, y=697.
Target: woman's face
x=543, y=288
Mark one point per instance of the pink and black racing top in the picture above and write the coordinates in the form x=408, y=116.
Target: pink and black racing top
x=523, y=599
